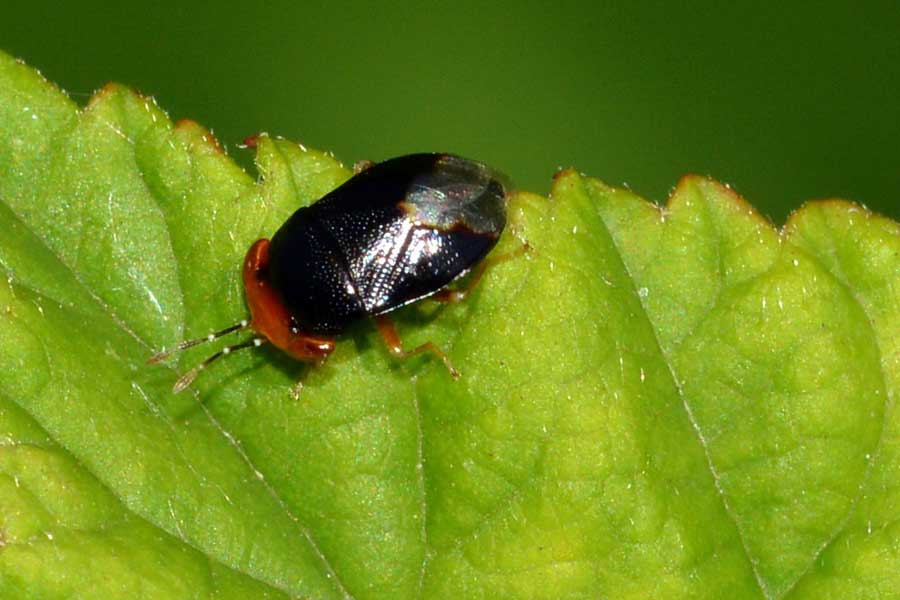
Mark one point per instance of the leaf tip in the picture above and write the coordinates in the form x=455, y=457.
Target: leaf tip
x=207, y=136
x=563, y=173
x=111, y=90
x=832, y=206
x=563, y=179
x=709, y=186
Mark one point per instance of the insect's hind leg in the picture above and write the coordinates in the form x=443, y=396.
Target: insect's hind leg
x=452, y=295
x=395, y=346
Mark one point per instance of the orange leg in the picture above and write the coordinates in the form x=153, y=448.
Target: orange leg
x=454, y=295
x=395, y=346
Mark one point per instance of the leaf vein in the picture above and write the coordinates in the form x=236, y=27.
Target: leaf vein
x=685, y=404
x=879, y=444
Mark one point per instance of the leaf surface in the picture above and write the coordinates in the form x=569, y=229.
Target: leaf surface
x=677, y=402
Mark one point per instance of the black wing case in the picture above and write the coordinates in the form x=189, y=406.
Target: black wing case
x=311, y=274
x=411, y=225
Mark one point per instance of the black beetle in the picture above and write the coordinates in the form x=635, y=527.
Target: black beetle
x=396, y=232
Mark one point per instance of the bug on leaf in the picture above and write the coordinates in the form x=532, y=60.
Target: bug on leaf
x=394, y=233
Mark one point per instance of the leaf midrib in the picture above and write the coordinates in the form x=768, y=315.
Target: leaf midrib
x=667, y=361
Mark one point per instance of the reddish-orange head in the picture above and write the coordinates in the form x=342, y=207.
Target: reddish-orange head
x=269, y=316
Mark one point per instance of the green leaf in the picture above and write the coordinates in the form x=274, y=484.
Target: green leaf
x=678, y=402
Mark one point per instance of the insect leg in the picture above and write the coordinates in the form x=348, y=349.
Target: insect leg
x=395, y=346
x=458, y=295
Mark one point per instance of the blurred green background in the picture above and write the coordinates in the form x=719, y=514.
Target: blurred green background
x=784, y=101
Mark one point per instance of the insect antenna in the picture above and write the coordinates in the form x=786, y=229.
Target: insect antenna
x=188, y=378
x=160, y=356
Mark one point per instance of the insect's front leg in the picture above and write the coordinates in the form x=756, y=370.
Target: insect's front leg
x=453, y=295
x=395, y=346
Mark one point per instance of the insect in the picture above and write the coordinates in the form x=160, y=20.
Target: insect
x=394, y=233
